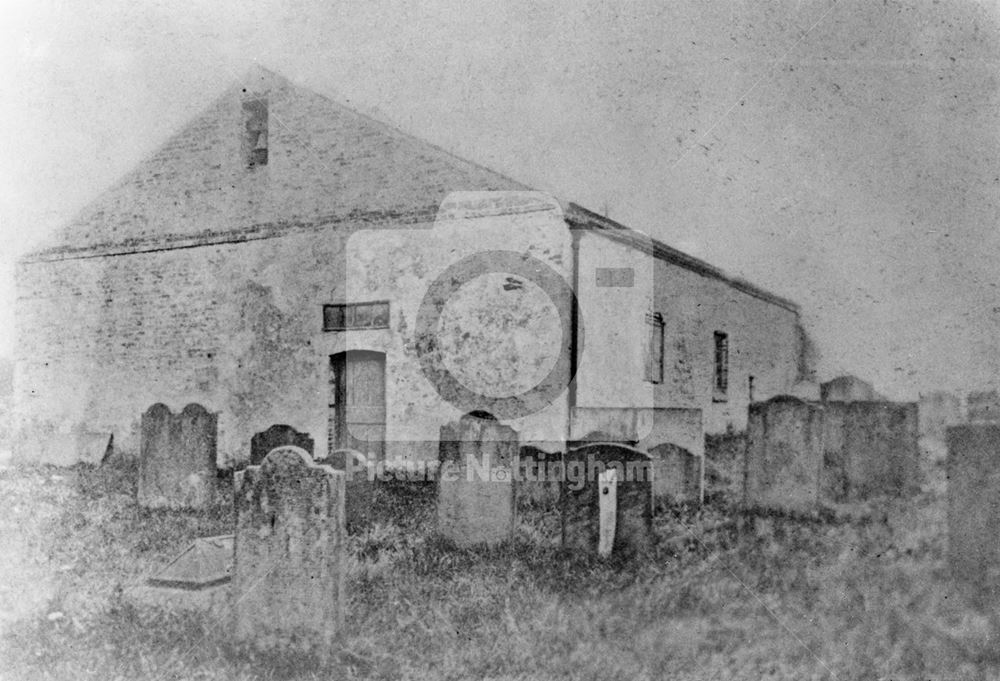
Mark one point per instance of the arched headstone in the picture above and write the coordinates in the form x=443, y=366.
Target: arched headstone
x=581, y=491
x=476, y=481
x=276, y=436
x=288, y=574
x=677, y=474
x=600, y=436
x=177, y=457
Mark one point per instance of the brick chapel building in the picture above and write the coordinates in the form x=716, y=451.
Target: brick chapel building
x=222, y=271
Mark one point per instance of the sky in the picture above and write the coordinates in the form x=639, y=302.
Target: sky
x=843, y=154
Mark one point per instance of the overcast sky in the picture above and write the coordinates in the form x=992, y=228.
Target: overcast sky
x=843, y=154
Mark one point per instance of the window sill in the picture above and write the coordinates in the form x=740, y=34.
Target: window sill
x=355, y=328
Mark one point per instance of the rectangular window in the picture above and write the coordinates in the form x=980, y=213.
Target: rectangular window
x=654, y=347
x=355, y=316
x=720, y=385
x=255, y=136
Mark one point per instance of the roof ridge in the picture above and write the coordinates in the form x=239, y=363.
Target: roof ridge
x=581, y=217
x=61, y=237
x=574, y=214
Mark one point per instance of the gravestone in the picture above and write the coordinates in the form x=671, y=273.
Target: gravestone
x=288, y=574
x=359, y=486
x=881, y=453
x=539, y=477
x=476, y=486
x=177, y=458
x=983, y=406
x=599, y=436
x=784, y=455
x=974, y=505
x=204, y=563
x=847, y=389
x=582, y=491
x=869, y=449
x=195, y=581
x=676, y=474
x=277, y=435
x=801, y=455
x=835, y=478
x=937, y=411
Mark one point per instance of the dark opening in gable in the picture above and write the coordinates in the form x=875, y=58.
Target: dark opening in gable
x=255, y=135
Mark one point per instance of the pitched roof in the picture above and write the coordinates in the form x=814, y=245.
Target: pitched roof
x=328, y=164
x=581, y=218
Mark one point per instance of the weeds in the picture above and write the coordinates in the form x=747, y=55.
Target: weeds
x=775, y=598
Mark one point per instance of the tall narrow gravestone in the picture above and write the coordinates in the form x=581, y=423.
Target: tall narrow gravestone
x=177, y=458
x=277, y=435
x=359, y=486
x=974, y=505
x=476, y=484
x=587, y=480
x=288, y=574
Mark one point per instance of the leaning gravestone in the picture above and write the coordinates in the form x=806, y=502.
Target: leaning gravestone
x=288, y=574
x=587, y=480
x=177, y=458
x=476, y=487
x=276, y=436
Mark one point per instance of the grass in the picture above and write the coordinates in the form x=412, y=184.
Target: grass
x=774, y=599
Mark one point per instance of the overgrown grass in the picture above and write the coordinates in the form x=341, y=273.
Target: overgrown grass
x=774, y=599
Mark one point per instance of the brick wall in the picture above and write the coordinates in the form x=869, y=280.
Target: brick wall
x=763, y=338
x=198, y=279
x=101, y=339
x=326, y=164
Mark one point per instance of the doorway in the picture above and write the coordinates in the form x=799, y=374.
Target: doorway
x=357, y=403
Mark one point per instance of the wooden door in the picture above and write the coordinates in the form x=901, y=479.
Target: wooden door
x=357, y=402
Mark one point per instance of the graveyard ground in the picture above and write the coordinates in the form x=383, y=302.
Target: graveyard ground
x=788, y=600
